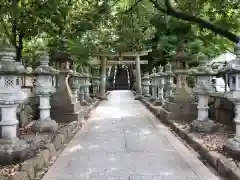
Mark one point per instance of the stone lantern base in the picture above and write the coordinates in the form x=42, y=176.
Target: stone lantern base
x=47, y=125
x=13, y=150
x=152, y=99
x=88, y=99
x=102, y=98
x=232, y=147
x=203, y=126
x=158, y=102
x=138, y=97
x=84, y=103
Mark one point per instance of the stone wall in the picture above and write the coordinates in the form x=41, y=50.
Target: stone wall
x=221, y=110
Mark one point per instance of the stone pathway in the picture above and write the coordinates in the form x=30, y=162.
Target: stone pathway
x=122, y=140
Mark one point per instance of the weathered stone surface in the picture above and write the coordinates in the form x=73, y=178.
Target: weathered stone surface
x=45, y=126
x=52, y=150
x=222, y=110
x=213, y=158
x=45, y=155
x=39, y=162
x=223, y=166
x=203, y=126
x=28, y=166
x=22, y=175
x=12, y=151
x=58, y=141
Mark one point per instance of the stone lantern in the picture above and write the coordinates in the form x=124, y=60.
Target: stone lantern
x=153, y=84
x=74, y=83
x=82, y=82
x=65, y=107
x=87, y=86
x=182, y=93
x=12, y=149
x=44, y=89
x=202, y=90
x=161, y=81
x=95, y=82
x=233, y=71
x=146, y=84
x=169, y=85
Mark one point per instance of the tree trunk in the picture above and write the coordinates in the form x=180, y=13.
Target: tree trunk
x=190, y=18
x=19, y=47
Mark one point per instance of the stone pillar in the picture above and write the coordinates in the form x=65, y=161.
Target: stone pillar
x=146, y=84
x=11, y=95
x=203, y=90
x=169, y=86
x=160, y=76
x=44, y=90
x=138, y=78
x=102, y=95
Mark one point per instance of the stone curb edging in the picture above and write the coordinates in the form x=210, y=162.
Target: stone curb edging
x=222, y=165
x=30, y=167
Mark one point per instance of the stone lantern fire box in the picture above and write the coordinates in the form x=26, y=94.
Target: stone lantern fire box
x=12, y=149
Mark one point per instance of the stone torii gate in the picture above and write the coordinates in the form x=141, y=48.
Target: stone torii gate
x=103, y=61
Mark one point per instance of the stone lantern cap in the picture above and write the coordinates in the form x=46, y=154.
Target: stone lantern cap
x=146, y=77
x=160, y=70
x=44, y=68
x=181, y=55
x=8, y=65
x=230, y=69
x=203, y=70
x=73, y=72
x=168, y=70
x=233, y=68
x=154, y=72
x=62, y=55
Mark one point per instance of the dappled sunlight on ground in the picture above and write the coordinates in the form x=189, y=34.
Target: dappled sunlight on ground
x=121, y=143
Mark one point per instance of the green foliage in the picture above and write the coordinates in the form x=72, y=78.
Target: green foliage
x=114, y=25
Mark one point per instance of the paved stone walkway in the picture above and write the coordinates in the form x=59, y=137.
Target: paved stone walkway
x=123, y=141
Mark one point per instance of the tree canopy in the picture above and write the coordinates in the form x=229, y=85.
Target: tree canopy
x=202, y=27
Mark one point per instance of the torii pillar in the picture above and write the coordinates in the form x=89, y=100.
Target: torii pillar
x=103, y=67
x=138, y=78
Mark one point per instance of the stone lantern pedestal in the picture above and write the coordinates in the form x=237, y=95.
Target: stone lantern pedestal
x=12, y=149
x=44, y=89
x=203, y=89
